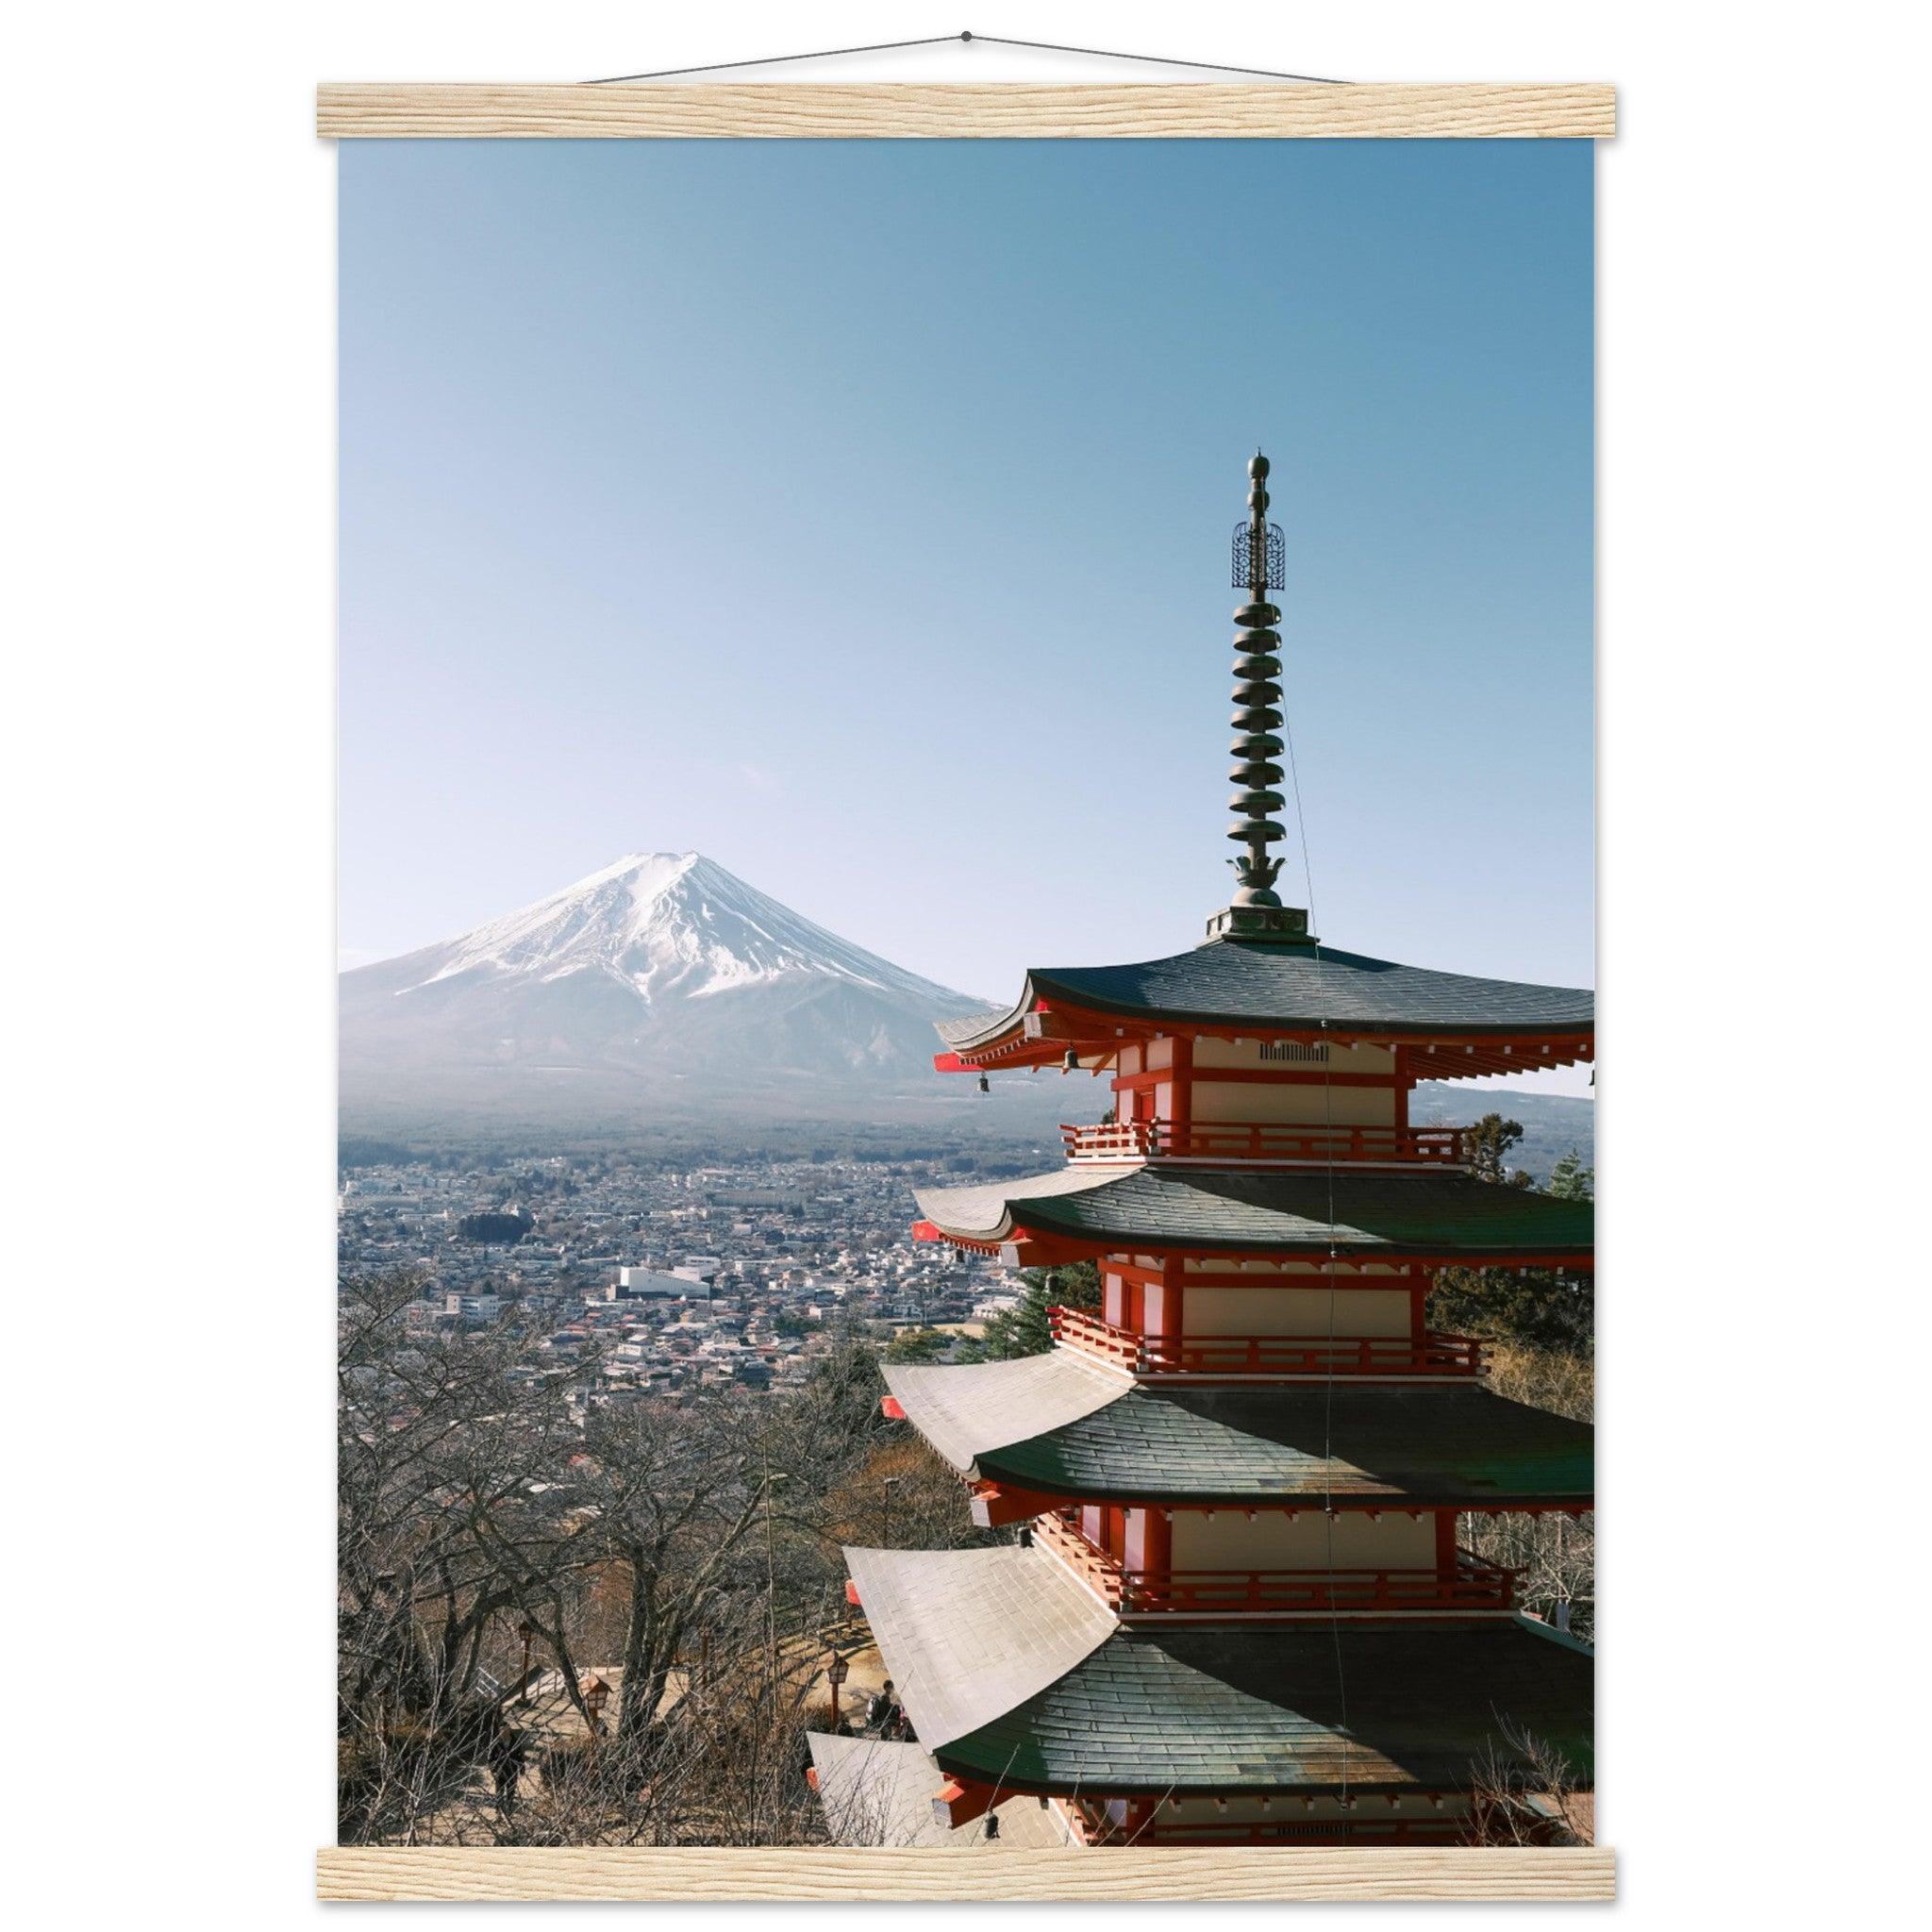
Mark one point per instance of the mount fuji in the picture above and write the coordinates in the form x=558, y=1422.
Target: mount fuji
x=661, y=984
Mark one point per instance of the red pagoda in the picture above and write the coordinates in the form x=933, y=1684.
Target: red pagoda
x=1236, y=1608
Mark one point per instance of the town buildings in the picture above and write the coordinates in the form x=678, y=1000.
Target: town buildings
x=682, y=1278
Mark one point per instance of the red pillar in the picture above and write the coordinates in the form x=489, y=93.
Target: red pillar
x=1156, y=1548
x=1181, y=1113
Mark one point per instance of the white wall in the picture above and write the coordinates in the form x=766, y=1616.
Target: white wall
x=1295, y=1311
x=1229, y=1539
x=1295, y=1100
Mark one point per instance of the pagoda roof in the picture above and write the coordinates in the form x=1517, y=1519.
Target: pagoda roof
x=879, y=1791
x=1268, y=1210
x=965, y=1410
x=1052, y=1424
x=1308, y=1443
x=1290, y=987
x=1009, y=1682
x=1315, y=1706
x=969, y=1633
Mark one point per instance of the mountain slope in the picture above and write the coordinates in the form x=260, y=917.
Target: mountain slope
x=662, y=981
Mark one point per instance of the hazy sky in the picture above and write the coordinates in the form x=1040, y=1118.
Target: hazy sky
x=858, y=514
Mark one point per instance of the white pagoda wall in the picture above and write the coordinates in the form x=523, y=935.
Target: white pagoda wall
x=1228, y=1539
x=1300, y=1101
x=1358, y=1312
x=1295, y=1102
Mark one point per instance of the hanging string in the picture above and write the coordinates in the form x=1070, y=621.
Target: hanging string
x=1328, y=1396
x=1301, y=829
x=962, y=39
x=771, y=61
x=1328, y=1267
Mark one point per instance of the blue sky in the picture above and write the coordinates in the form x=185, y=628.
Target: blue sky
x=858, y=514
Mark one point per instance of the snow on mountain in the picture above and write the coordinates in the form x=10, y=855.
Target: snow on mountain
x=669, y=925
x=662, y=976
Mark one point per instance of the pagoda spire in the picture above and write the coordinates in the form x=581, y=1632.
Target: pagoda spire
x=1260, y=563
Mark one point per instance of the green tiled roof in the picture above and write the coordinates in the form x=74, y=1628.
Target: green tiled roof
x=1242, y=1444
x=1212, y=1709
x=1282, y=1209
x=1293, y=986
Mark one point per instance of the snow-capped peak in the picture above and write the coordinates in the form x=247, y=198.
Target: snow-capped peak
x=664, y=924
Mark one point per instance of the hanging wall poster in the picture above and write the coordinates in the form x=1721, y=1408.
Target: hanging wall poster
x=966, y=1176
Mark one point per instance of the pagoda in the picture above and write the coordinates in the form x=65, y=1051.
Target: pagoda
x=1236, y=1607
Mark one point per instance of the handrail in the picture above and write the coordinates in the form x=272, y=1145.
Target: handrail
x=1242, y=1141
x=1434, y=1354
x=1473, y=1584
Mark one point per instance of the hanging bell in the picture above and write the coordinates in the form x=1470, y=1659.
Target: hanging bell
x=985, y=1085
x=1070, y=1061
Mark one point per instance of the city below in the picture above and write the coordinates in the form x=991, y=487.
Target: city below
x=716, y=1275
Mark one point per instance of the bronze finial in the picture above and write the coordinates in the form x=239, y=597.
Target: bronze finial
x=1260, y=564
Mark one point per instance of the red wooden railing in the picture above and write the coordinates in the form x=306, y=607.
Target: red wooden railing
x=1242, y=1141
x=1474, y=1584
x=1435, y=1353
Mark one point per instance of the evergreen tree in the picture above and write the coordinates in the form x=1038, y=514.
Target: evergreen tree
x=917, y=1345
x=1543, y=1308
x=1570, y=1180
x=1024, y=1329
x=1490, y=1142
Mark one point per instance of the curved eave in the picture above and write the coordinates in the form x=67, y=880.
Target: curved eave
x=1457, y=1026
x=979, y=1029
x=1066, y=996
x=1433, y=1054
x=1306, y=1445
x=1221, y=1712
x=1037, y=1244
x=1412, y=1498
x=963, y=1410
x=1091, y=1211
x=967, y=1635
x=1056, y=1428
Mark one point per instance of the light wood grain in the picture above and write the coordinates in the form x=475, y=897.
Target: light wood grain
x=1176, y=1872
x=1007, y=112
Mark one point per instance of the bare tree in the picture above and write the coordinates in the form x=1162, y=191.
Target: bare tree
x=1526, y=1793
x=1555, y=1552
x=500, y=1507
x=444, y=1447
